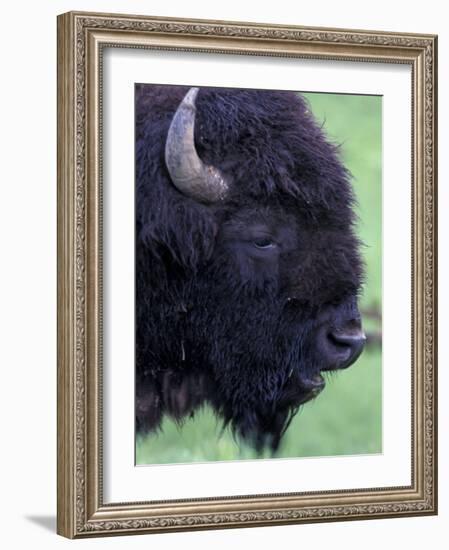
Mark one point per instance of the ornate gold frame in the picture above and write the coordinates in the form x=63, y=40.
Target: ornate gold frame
x=81, y=37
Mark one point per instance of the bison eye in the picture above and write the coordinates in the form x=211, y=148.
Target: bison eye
x=264, y=243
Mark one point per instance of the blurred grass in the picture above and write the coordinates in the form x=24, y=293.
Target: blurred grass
x=346, y=418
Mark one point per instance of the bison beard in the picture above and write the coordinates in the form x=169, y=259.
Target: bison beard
x=244, y=295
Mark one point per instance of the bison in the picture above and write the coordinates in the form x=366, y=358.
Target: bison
x=248, y=268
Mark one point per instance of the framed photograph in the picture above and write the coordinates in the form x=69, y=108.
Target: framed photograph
x=246, y=274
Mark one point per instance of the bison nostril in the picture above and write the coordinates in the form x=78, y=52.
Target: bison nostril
x=347, y=338
x=344, y=346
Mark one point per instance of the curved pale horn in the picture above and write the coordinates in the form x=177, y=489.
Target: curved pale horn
x=188, y=172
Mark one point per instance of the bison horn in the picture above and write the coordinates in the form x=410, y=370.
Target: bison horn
x=188, y=172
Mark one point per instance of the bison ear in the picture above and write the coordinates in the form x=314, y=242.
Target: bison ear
x=182, y=228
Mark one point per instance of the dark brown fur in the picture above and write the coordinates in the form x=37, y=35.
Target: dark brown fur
x=219, y=319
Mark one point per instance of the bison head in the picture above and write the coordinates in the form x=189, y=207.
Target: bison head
x=247, y=266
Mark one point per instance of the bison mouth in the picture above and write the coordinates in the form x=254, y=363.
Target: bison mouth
x=311, y=387
x=301, y=390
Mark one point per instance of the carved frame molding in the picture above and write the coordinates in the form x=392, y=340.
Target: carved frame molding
x=81, y=38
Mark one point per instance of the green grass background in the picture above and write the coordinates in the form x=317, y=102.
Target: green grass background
x=346, y=418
